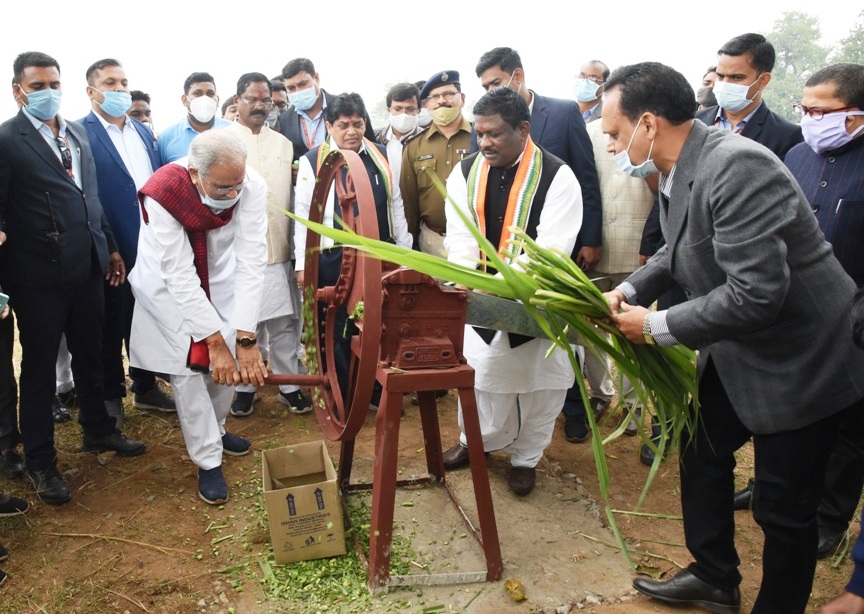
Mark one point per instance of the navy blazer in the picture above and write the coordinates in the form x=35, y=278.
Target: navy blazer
x=765, y=127
x=289, y=126
x=52, y=226
x=117, y=191
x=833, y=183
x=557, y=126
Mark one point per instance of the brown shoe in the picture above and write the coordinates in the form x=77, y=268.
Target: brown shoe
x=456, y=457
x=521, y=480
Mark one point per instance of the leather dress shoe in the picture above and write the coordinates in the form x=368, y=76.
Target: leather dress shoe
x=646, y=454
x=521, y=480
x=685, y=588
x=12, y=506
x=115, y=442
x=59, y=413
x=13, y=464
x=599, y=406
x=68, y=398
x=631, y=430
x=828, y=543
x=743, y=499
x=456, y=457
x=50, y=486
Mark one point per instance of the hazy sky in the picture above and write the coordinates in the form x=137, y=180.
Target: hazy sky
x=366, y=46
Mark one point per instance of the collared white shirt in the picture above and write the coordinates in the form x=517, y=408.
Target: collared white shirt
x=131, y=148
x=74, y=147
x=394, y=154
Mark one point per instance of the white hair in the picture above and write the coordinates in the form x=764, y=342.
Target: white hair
x=215, y=146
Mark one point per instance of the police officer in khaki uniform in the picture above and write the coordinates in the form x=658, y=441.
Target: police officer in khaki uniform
x=440, y=148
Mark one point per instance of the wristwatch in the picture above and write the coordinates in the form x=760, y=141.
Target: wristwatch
x=646, y=330
x=246, y=342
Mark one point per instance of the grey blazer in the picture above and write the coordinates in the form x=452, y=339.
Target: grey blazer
x=767, y=299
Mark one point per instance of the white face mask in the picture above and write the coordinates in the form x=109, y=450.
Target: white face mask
x=403, y=123
x=219, y=204
x=733, y=96
x=423, y=118
x=203, y=108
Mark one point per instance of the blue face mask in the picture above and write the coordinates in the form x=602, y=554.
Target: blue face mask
x=585, y=90
x=116, y=103
x=640, y=171
x=304, y=99
x=43, y=104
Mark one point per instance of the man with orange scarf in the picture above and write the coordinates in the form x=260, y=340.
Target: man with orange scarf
x=511, y=182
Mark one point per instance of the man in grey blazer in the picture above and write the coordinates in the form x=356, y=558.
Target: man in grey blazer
x=768, y=308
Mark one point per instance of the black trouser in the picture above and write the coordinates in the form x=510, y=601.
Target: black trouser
x=44, y=314
x=119, y=306
x=574, y=406
x=9, y=435
x=844, y=476
x=329, y=266
x=790, y=468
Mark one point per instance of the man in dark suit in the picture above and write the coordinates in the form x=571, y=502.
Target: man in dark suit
x=776, y=360
x=829, y=166
x=303, y=122
x=126, y=154
x=57, y=254
x=744, y=66
x=557, y=126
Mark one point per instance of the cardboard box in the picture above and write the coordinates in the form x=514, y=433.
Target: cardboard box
x=303, y=502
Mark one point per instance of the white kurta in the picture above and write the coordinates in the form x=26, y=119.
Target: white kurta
x=519, y=391
x=271, y=154
x=171, y=308
x=170, y=305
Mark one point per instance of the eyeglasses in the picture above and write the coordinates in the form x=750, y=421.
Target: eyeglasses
x=65, y=154
x=282, y=106
x=592, y=78
x=448, y=96
x=267, y=102
x=801, y=111
x=225, y=190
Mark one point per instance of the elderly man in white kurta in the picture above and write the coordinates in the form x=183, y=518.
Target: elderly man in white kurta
x=512, y=182
x=197, y=283
x=271, y=154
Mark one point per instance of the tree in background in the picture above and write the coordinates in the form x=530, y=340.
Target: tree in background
x=795, y=38
x=852, y=47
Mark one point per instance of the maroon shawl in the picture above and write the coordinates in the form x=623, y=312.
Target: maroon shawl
x=172, y=187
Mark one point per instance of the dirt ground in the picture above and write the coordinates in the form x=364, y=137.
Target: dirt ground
x=136, y=538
